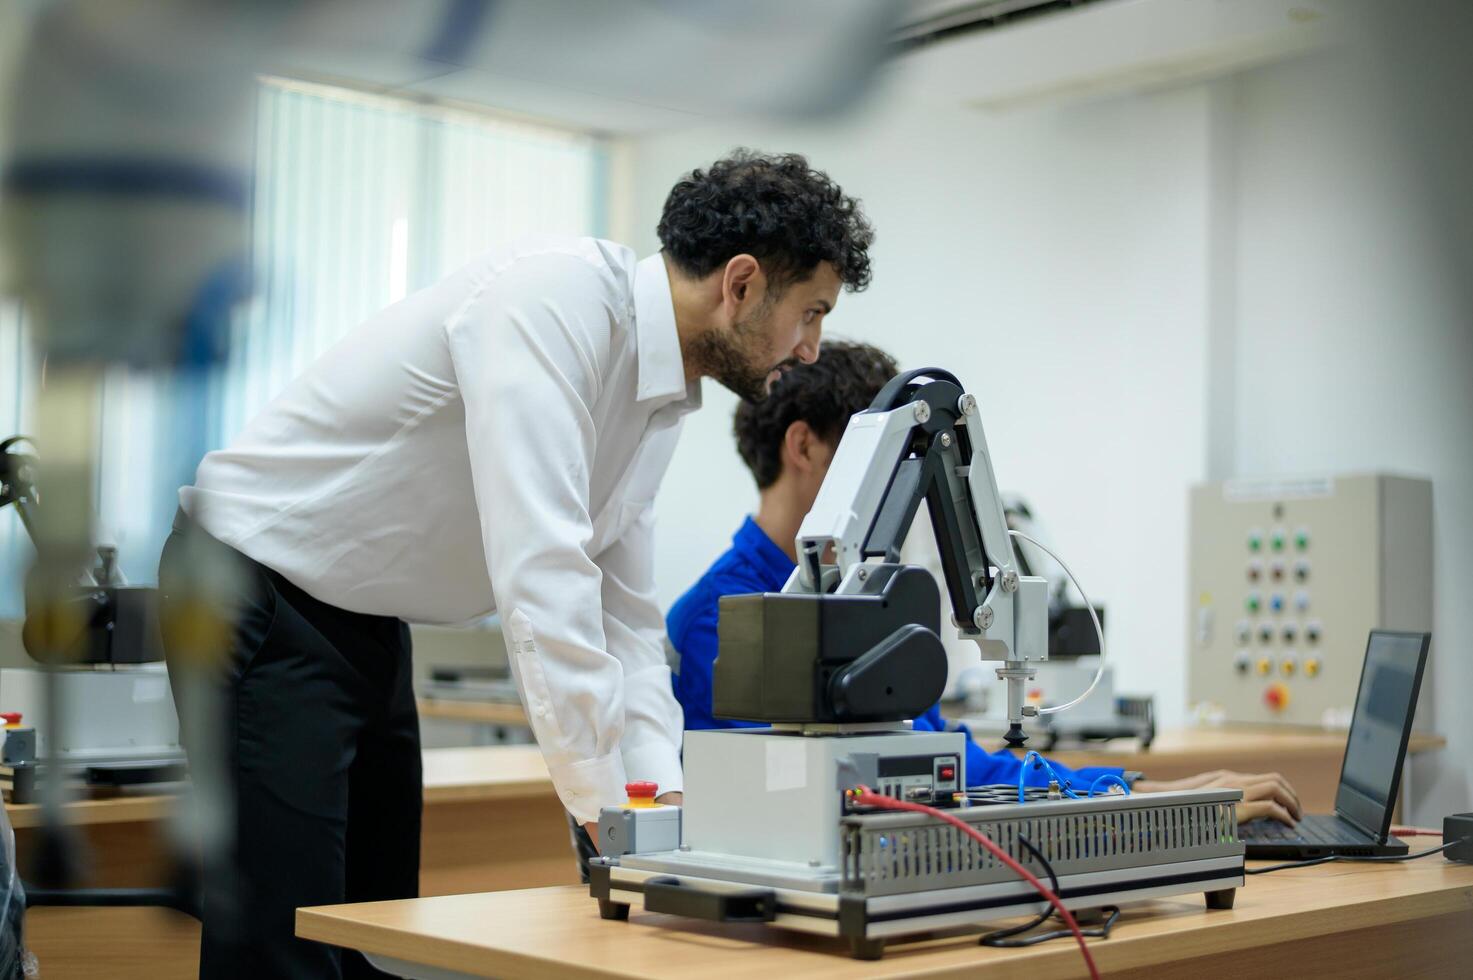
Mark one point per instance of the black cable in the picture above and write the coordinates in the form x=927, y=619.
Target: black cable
x=1102, y=931
x=1347, y=858
x=996, y=938
x=1002, y=938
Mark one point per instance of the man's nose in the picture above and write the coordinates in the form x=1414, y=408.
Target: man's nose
x=807, y=349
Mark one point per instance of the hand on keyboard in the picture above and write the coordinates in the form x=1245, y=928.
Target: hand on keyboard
x=1264, y=794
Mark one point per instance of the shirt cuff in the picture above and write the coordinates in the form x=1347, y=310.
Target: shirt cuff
x=587, y=786
x=657, y=761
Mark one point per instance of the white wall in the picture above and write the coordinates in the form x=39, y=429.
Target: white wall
x=1351, y=353
x=1055, y=259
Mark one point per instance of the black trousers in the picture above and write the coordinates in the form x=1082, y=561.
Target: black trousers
x=322, y=759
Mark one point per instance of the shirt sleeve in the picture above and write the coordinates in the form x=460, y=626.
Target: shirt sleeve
x=530, y=348
x=635, y=634
x=1002, y=766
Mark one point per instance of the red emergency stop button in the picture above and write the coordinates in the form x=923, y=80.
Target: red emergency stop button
x=641, y=793
x=10, y=718
x=1276, y=697
x=946, y=774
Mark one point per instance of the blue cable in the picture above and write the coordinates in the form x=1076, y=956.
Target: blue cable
x=1040, y=761
x=1109, y=777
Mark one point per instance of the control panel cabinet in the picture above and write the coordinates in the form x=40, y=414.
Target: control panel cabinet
x=1286, y=579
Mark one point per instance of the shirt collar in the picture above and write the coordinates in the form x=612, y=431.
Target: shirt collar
x=661, y=367
x=753, y=542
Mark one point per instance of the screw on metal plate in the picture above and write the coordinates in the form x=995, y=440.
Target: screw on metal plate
x=863, y=574
x=982, y=618
x=1010, y=581
x=967, y=404
x=922, y=411
x=946, y=440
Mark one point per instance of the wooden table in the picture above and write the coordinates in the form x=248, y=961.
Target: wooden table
x=1340, y=920
x=491, y=821
x=495, y=713
x=1310, y=760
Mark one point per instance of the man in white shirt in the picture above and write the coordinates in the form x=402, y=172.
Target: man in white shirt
x=490, y=444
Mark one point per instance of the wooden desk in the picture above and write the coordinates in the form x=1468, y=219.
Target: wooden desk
x=1309, y=760
x=491, y=821
x=1333, y=920
x=476, y=712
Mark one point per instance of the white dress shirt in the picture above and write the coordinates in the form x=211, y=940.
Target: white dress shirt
x=492, y=443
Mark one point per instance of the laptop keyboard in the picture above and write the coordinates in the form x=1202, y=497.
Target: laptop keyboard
x=1310, y=830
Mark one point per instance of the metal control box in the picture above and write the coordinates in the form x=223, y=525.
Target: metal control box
x=773, y=793
x=1287, y=578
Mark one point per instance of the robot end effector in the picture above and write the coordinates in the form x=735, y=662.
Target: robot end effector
x=920, y=440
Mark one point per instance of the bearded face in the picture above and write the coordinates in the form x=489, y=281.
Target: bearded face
x=742, y=360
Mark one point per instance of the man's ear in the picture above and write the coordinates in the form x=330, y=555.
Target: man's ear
x=800, y=444
x=741, y=279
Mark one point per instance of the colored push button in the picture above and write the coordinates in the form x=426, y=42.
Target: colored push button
x=1287, y=667
x=1276, y=603
x=1252, y=603
x=1255, y=541
x=1277, y=541
x=1301, y=539
x=946, y=773
x=1241, y=663
x=641, y=793
x=1312, y=667
x=1264, y=666
x=1301, y=569
x=11, y=718
x=1276, y=697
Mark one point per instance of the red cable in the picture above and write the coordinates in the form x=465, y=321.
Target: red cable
x=1415, y=832
x=868, y=797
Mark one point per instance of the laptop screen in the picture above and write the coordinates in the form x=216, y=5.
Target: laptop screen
x=1378, y=732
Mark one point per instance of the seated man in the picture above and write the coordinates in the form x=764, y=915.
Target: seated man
x=787, y=441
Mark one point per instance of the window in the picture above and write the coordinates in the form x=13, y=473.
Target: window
x=359, y=200
x=362, y=200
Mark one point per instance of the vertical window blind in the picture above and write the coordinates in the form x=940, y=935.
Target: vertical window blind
x=359, y=201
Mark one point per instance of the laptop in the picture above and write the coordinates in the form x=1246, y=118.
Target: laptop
x=1371, y=773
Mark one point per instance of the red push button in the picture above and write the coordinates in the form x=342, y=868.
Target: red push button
x=946, y=773
x=641, y=793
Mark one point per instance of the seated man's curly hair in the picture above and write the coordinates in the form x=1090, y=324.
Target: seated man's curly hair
x=774, y=207
x=844, y=380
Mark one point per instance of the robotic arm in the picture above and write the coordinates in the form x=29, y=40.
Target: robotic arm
x=866, y=622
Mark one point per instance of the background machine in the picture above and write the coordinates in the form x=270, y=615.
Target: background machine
x=1073, y=664
x=789, y=824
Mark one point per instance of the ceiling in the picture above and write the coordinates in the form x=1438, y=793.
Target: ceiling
x=637, y=66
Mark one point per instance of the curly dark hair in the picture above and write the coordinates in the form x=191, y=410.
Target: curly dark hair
x=844, y=380
x=774, y=207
